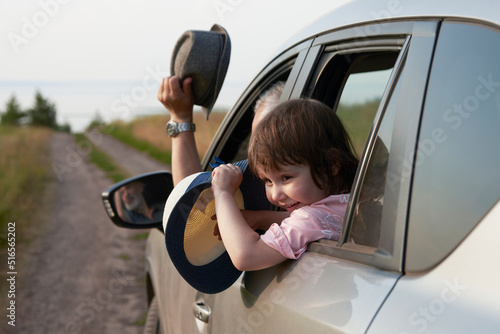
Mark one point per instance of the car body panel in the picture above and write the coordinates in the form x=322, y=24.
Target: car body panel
x=460, y=295
x=314, y=293
x=175, y=296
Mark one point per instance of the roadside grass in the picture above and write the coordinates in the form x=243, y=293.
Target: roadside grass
x=103, y=161
x=140, y=236
x=124, y=132
x=24, y=166
x=141, y=321
x=147, y=134
x=357, y=119
x=24, y=177
x=125, y=257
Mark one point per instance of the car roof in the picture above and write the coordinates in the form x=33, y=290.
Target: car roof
x=373, y=11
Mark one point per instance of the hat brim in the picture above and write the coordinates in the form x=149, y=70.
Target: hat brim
x=212, y=277
x=220, y=273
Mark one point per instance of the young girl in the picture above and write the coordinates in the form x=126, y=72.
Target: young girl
x=304, y=156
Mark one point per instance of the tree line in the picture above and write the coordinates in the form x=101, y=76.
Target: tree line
x=43, y=113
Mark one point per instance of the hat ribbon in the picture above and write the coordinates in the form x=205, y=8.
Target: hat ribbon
x=217, y=162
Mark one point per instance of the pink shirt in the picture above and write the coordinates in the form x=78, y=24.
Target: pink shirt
x=320, y=220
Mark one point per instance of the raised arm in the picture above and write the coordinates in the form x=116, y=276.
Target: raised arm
x=179, y=102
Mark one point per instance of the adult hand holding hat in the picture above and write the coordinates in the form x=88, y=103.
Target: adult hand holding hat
x=203, y=56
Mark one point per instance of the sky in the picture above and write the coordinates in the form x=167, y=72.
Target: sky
x=107, y=56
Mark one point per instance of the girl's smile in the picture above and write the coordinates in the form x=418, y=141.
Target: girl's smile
x=291, y=187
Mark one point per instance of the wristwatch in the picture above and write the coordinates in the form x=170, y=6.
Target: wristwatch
x=174, y=128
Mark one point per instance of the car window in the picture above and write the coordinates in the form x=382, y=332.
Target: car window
x=355, y=84
x=359, y=102
x=365, y=229
x=456, y=178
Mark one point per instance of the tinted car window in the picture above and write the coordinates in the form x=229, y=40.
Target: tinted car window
x=457, y=177
x=365, y=228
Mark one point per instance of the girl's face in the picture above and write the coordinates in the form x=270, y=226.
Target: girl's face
x=291, y=187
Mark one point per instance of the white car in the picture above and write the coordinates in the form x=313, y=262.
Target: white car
x=417, y=84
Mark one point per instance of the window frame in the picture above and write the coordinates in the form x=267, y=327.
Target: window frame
x=412, y=65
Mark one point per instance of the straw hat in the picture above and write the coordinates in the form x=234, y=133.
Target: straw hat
x=198, y=255
x=204, y=56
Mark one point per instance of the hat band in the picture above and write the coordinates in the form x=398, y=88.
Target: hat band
x=211, y=89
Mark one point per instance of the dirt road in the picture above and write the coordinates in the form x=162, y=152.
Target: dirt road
x=83, y=274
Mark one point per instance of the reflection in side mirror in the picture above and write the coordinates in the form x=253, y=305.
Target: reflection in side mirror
x=138, y=202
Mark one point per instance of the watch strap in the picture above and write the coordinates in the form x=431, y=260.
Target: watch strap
x=174, y=128
x=181, y=127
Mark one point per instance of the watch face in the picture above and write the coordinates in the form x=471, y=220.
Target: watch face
x=171, y=129
x=174, y=128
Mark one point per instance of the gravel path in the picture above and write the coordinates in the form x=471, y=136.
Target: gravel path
x=133, y=161
x=83, y=274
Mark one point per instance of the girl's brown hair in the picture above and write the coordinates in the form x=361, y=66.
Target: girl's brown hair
x=305, y=132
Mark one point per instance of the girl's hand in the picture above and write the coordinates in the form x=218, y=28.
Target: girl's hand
x=226, y=178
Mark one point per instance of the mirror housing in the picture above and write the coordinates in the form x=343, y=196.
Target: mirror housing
x=138, y=202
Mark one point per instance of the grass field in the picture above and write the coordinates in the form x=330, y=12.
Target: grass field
x=148, y=134
x=24, y=166
x=357, y=119
x=24, y=178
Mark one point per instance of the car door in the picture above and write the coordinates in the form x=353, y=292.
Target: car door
x=338, y=287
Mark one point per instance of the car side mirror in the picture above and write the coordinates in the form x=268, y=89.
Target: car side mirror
x=138, y=202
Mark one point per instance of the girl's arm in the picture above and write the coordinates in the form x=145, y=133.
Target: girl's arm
x=263, y=219
x=246, y=250
x=258, y=220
